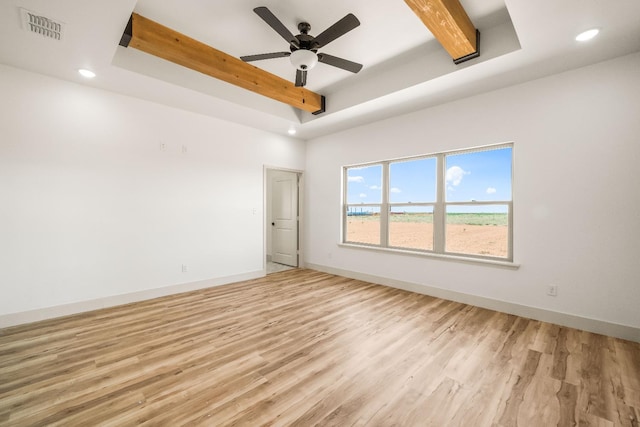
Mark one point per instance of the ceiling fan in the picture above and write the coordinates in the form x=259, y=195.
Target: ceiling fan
x=304, y=47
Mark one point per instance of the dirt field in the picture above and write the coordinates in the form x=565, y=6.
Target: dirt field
x=489, y=240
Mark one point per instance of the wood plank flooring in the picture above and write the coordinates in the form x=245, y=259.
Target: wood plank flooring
x=306, y=348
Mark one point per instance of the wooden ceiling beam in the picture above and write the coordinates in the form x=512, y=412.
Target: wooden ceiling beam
x=155, y=39
x=449, y=23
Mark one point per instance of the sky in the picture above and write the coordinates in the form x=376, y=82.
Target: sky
x=480, y=176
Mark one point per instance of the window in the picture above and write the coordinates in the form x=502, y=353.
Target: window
x=364, y=201
x=456, y=203
x=412, y=196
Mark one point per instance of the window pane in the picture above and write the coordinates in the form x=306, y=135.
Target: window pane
x=481, y=175
x=477, y=230
x=364, y=185
x=412, y=181
x=411, y=227
x=363, y=224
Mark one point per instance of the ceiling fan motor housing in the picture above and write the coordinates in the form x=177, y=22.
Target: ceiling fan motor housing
x=305, y=41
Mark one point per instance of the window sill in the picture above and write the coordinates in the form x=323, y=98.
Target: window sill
x=455, y=258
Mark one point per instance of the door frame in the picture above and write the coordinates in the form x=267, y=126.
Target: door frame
x=265, y=224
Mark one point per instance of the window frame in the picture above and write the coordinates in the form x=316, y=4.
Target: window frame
x=439, y=207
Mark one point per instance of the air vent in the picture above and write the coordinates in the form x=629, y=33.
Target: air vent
x=38, y=24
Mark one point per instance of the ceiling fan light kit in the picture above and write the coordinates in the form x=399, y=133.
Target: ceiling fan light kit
x=303, y=59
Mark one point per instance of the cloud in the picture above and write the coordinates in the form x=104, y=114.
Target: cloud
x=355, y=179
x=375, y=187
x=395, y=190
x=362, y=195
x=491, y=190
x=455, y=174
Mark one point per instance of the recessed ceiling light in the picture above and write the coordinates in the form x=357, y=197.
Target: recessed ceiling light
x=86, y=73
x=587, y=35
x=291, y=131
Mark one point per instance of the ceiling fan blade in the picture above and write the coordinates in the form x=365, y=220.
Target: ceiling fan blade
x=301, y=78
x=345, y=64
x=338, y=29
x=275, y=23
x=262, y=56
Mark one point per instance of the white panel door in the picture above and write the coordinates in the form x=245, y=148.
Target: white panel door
x=285, y=218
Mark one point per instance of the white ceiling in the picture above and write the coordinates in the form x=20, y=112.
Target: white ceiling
x=404, y=67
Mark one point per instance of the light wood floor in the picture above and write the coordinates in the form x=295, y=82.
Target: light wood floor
x=307, y=348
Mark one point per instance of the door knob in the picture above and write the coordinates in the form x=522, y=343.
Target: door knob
x=273, y=223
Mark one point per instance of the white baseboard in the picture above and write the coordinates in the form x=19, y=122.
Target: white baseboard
x=13, y=319
x=564, y=319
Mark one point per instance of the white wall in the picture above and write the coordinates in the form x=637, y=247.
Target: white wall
x=90, y=207
x=577, y=205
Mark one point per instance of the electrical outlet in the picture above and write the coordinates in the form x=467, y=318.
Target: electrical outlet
x=184, y=268
x=184, y=149
x=163, y=146
x=552, y=290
